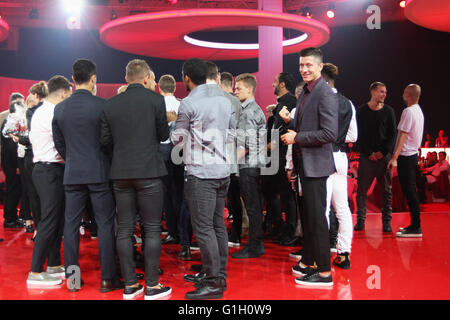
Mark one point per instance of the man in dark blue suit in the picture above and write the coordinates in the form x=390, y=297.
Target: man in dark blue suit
x=76, y=132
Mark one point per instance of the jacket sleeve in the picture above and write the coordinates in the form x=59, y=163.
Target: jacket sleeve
x=106, y=138
x=162, y=128
x=58, y=137
x=328, y=123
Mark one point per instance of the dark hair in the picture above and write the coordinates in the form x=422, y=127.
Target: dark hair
x=288, y=80
x=58, y=83
x=83, y=70
x=167, y=83
x=13, y=104
x=137, y=69
x=330, y=72
x=40, y=89
x=196, y=70
x=375, y=85
x=213, y=70
x=226, y=79
x=15, y=96
x=316, y=52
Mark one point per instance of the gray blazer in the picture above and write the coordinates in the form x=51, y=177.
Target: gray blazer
x=317, y=127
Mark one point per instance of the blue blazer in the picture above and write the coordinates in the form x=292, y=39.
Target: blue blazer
x=76, y=133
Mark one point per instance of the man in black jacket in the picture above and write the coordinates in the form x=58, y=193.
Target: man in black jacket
x=133, y=125
x=76, y=132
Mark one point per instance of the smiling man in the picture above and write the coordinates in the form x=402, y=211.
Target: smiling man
x=315, y=129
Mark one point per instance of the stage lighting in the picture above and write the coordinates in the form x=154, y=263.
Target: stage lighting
x=306, y=12
x=73, y=22
x=113, y=15
x=73, y=6
x=173, y=1
x=34, y=14
x=330, y=12
x=402, y=3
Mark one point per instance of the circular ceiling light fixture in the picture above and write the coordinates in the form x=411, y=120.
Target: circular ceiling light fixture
x=4, y=29
x=167, y=34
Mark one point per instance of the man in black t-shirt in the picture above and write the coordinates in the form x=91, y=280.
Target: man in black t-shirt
x=377, y=134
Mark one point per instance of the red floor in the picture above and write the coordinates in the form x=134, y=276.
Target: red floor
x=404, y=268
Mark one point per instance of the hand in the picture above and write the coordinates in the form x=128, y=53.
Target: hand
x=171, y=116
x=289, y=138
x=241, y=153
x=378, y=155
x=285, y=114
x=15, y=138
x=292, y=178
x=392, y=163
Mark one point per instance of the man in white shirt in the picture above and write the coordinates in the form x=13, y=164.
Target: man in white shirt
x=48, y=175
x=409, y=139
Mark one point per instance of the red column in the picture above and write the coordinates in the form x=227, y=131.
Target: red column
x=270, y=60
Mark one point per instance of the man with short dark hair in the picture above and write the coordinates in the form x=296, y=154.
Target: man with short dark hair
x=76, y=132
x=48, y=175
x=376, y=139
x=226, y=82
x=204, y=125
x=315, y=129
x=132, y=125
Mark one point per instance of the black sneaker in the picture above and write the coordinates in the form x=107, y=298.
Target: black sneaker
x=157, y=293
x=12, y=224
x=132, y=292
x=410, y=233
x=300, y=271
x=194, y=246
x=296, y=254
x=195, y=277
x=315, y=280
x=249, y=252
x=233, y=241
x=360, y=225
x=342, y=260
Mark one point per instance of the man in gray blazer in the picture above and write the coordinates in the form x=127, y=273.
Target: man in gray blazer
x=315, y=128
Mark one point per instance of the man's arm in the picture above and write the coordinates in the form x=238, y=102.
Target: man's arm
x=401, y=139
x=106, y=138
x=162, y=127
x=352, y=132
x=58, y=137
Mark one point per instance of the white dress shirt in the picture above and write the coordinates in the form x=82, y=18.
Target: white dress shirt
x=41, y=135
x=172, y=104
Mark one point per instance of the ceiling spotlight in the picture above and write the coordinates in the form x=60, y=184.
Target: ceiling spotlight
x=34, y=14
x=73, y=6
x=330, y=12
x=113, y=15
x=402, y=3
x=73, y=22
x=173, y=1
x=306, y=12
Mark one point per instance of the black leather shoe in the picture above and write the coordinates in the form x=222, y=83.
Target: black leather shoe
x=13, y=224
x=292, y=242
x=359, y=225
x=387, y=227
x=110, y=285
x=139, y=276
x=197, y=267
x=185, y=254
x=170, y=240
x=221, y=282
x=249, y=252
x=195, y=277
x=205, y=291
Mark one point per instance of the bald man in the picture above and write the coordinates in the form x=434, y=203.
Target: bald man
x=409, y=139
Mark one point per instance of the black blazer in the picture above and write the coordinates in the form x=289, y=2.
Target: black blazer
x=317, y=127
x=133, y=124
x=76, y=133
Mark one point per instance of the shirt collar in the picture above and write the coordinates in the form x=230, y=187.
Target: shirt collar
x=247, y=102
x=309, y=87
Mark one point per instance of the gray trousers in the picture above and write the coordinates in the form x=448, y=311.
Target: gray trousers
x=206, y=202
x=367, y=171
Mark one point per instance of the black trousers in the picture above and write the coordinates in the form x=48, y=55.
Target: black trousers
x=316, y=238
x=104, y=210
x=407, y=173
x=206, y=201
x=35, y=202
x=367, y=171
x=147, y=195
x=234, y=206
x=25, y=210
x=48, y=179
x=249, y=182
x=13, y=191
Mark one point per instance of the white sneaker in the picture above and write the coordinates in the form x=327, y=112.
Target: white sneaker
x=58, y=271
x=42, y=279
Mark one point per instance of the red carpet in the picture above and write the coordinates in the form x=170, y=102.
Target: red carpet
x=383, y=267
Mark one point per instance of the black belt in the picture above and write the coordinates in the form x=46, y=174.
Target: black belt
x=50, y=163
x=339, y=148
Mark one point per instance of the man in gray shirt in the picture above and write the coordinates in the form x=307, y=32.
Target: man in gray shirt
x=205, y=122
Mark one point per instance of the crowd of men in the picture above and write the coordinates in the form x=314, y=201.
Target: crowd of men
x=142, y=154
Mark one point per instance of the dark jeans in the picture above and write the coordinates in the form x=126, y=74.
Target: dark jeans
x=234, y=206
x=185, y=225
x=316, y=237
x=77, y=197
x=173, y=190
x=407, y=172
x=147, y=195
x=249, y=182
x=13, y=191
x=367, y=171
x=48, y=179
x=35, y=202
x=25, y=213
x=206, y=200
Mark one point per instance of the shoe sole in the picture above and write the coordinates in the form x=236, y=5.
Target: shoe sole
x=159, y=295
x=295, y=256
x=214, y=296
x=134, y=294
x=234, y=244
x=194, y=248
x=44, y=283
x=314, y=284
x=411, y=235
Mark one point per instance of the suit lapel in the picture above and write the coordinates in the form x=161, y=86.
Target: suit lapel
x=310, y=98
